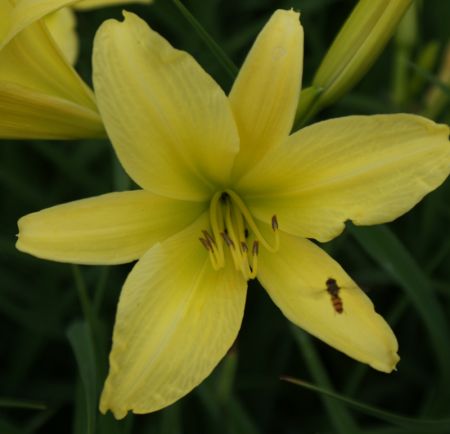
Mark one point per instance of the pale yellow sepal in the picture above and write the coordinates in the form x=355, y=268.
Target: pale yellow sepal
x=265, y=93
x=170, y=123
x=16, y=15
x=92, y=4
x=176, y=319
x=32, y=60
x=46, y=96
x=6, y=19
x=22, y=13
x=62, y=26
x=25, y=114
x=109, y=229
x=368, y=169
x=357, y=46
x=295, y=278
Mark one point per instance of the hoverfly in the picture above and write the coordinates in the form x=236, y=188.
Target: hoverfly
x=333, y=289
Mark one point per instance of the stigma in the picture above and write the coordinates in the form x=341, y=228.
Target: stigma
x=234, y=236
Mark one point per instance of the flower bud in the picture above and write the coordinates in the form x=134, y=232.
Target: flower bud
x=357, y=46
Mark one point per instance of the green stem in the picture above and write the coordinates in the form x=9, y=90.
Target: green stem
x=85, y=302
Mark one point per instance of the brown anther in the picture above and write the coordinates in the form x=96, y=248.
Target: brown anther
x=206, y=244
x=227, y=239
x=244, y=247
x=208, y=238
x=274, y=223
x=255, y=248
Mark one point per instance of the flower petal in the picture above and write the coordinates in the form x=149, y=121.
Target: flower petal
x=265, y=94
x=91, y=4
x=26, y=12
x=170, y=123
x=295, y=279
x=41, y=94
x=368, y=169
x=33, y=60
x=6, y=14
x=25, y=114
x=109, y=229
x=16, y=15
x=62, y=26
x=176, y=319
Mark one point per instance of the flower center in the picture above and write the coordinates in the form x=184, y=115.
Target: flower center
x=233, y=230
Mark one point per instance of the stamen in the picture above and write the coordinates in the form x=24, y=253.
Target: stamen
x=216, y=219
x=232, y=226
x=254, y=266
x=238, y=257
x=206, y=244
x=251, y=223
x=227, y=239
x=274, y=223
x=209, y=238
x=255, y=249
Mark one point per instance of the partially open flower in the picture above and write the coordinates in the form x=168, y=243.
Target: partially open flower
x=41, y=95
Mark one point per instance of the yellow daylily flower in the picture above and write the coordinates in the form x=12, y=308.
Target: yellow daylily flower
x=41, y=95
x=228, y=195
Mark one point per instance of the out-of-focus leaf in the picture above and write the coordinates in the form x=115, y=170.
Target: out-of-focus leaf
x=428, y=426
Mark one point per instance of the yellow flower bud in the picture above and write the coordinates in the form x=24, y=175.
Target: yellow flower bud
x=357, y=46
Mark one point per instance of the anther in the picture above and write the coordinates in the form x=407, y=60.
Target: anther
x=246, y=233
x=255, y=248
x=244, y=247
x=208, y=238
x=274, y=223
x=227, y=239
x=206, y=244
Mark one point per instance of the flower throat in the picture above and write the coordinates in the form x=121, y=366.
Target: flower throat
x=233, y=229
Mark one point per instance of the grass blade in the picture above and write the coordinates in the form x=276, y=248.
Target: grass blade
x=385, y=248
x=81, y=342
x=228, y=66
x=428, y=426
x=340, y=417
x=17, y=403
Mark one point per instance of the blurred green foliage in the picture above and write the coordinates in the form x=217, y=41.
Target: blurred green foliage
x=56, y=320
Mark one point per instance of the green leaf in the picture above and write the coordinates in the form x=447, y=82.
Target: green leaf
x=426, y=75
x=428, y=426
x=228, y=66
x=342, y=419
x=7, y=428
x=387, y=250
x=17, y=403
x=81, y=342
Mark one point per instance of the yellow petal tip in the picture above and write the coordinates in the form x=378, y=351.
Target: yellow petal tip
x=388, y=365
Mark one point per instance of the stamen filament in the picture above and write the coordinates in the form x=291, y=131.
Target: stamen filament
x=237, y=255
x=216, y=218
x=254, y=267
x=227, y=239
x=251, y=223
x=232, y=226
